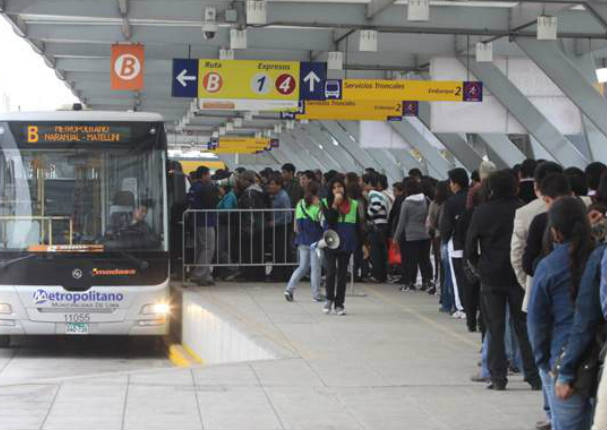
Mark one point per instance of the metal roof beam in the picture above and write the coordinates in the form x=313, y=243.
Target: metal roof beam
x=503, y=148
x=526, y=113
x=568, y=77
x=437, y=164
x=461, y=150
x=445, y=19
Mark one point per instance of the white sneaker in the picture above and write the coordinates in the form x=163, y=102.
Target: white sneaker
x=327, y=307
x=340, y=311
x=458, y=315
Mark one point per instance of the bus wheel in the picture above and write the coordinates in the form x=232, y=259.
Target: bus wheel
x=5, y=341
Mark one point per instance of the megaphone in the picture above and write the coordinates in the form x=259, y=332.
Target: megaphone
x=330, y=239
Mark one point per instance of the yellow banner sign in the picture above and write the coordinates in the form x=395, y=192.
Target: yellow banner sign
x=351, y=110
x=232, y=141
x=248, y=79
x=426, y=91
x=238, y=150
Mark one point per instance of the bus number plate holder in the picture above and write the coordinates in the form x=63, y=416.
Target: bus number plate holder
x=77, y=328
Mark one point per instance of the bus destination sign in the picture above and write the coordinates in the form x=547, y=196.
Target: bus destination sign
x=75, y=133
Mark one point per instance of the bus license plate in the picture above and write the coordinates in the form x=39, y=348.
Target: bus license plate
x=77, y=328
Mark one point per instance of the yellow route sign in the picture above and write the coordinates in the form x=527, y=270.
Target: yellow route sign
x=248, y=79
x=351, y=110
x=427, y=91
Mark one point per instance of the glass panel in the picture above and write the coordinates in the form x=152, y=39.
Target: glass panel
x=91, y=199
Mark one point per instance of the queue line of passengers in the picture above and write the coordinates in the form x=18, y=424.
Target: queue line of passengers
x=519, y=254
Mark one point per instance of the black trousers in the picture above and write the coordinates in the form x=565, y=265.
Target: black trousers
x=379, y=252
x=494, y=300
x=414, y=254
x=251, y=253
x=337, y=273
x=472, y=297
x=281, y=252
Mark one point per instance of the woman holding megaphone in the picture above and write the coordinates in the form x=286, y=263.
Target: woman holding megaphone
x=340, y=215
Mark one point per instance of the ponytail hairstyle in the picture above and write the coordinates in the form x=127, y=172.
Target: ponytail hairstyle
x=310, y=193
x=567, y=216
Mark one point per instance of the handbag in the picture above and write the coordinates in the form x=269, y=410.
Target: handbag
x=394, y=256
x=587, y=373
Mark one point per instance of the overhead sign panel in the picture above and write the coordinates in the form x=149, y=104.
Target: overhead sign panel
x=351, y=110
x=312, y=78
x=185, y=78
x=248, y=79
x=127, y=65
x=428, y=91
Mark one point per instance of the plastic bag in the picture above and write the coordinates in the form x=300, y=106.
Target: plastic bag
x=394, y=257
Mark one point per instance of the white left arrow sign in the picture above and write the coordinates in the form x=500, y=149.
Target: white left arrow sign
x=183, y=78
x=312, y=79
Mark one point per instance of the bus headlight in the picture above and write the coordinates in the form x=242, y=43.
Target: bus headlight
x=156, y=309
x=5, y=308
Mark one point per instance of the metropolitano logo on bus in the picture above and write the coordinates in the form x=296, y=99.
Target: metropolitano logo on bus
x=92, y=299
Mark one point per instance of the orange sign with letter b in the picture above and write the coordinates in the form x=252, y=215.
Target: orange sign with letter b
x=127, y=67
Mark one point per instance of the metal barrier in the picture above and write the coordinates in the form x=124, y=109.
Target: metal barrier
x=233, y=238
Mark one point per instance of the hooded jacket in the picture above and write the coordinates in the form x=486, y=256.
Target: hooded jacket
x=412, y=221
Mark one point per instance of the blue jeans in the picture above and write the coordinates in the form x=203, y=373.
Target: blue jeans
x=571, y=414
x=308, y=260
x=447, y=299
x=513, y=353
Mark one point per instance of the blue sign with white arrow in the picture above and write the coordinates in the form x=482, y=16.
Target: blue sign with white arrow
x=185, y=78
x=312, y=77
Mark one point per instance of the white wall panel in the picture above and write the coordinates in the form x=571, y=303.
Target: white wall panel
x=490, y=116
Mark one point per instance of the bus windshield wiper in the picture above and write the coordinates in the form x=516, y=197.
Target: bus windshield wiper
x=6, y=263
x=141, y=263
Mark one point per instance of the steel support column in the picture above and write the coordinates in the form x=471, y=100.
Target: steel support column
x=597, y=142
x=568, y=77
x=437, y=165
x=526, y=113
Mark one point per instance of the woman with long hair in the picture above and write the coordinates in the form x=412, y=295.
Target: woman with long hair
x=552, y=304
x=308, y=231
x=412, y=237
x=340, y=215
x=441, y=194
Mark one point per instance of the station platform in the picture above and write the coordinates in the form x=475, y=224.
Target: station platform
x=393, y=362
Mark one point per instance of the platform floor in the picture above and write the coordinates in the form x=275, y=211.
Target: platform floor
x=394, y=362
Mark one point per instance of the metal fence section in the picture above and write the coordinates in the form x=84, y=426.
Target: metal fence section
x=233, y=238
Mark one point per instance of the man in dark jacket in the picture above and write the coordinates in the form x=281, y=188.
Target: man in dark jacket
x=491, y=228
x=291, y=184
x=251, y=227
x=450, y=234
x=526, y=190
x=203, y=195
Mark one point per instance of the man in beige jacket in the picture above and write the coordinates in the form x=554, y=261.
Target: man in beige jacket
x=522, y=222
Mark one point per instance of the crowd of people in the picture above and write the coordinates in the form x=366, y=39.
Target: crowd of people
x=519, y=254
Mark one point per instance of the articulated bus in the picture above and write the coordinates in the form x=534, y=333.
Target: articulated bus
x=83, y=224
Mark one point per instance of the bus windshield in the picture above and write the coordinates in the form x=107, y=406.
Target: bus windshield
x=94, y=190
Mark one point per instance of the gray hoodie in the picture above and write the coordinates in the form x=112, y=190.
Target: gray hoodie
x=412, y=219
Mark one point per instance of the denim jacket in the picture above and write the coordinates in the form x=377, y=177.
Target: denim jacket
x=604, y=284
x=550, y=312
x=587, y=316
